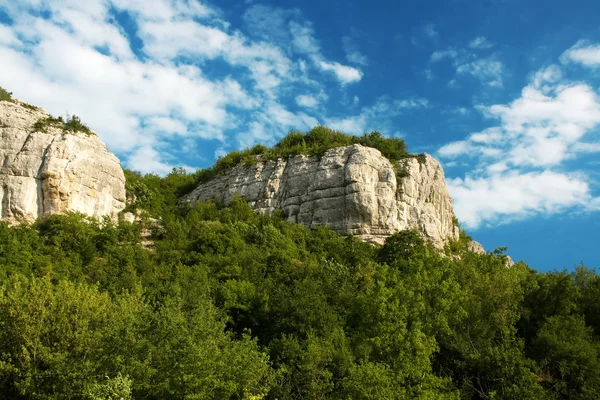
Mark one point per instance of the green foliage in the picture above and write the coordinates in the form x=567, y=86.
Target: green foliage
x=234, y=305
x=155, y=195
x=315, y=142
x=43, y=124
x=117, y=388
x=73, y=124
x=5, y=95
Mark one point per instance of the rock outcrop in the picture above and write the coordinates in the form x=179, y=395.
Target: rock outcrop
x=354, y=190
x=476, y=247
x=51, y=172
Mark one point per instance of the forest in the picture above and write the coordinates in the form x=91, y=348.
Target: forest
x=210, y=302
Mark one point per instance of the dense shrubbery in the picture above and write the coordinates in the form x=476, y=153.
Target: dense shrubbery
x=315, y=142
x=232, y=305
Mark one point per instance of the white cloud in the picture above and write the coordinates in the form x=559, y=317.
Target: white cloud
x=7, y=37
x=439, y=55
x=583, y=53
x=412, y=103
x=480, y=42
x=379, y=116
x=272, y=122
x=343, y=73
x=78, y=59
x=166, y=124
x=146, y=160
x=486, y=70
x=355, y=125
x=308, y=101
x=353, y=54
x=521, y=161
x=454, y=149
x=269, y=23
x=303, y=38
x=305, y=43
x=502, y=198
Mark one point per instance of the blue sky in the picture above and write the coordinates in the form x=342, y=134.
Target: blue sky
x=504, y=93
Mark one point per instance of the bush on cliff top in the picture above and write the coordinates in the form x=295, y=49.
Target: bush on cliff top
x=71, y=125
x=315, y=142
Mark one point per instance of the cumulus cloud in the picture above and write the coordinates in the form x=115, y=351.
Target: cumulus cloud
x=505, y=197
x=144, y=86
x=521, y=160
x=343, y=73
x=583, y=53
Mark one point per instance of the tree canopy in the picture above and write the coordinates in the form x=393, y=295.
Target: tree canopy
x=229, y=304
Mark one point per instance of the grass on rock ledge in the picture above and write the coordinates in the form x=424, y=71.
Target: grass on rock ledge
x=315, y=142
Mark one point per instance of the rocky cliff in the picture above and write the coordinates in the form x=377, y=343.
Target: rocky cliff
x=53, y=171
x=354, y=190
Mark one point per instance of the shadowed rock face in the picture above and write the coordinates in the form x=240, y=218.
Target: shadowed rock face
x=352, y=189
x=54, y=172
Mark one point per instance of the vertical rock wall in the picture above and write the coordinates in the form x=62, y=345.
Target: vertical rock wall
x=54, y=172
x=353, y=190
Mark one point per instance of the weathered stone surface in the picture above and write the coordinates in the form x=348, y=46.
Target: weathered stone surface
x=476, y=247
x=508, y=261
x=54, y=172
x=352, y=189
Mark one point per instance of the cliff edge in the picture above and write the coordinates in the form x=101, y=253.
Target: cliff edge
x=47, y=169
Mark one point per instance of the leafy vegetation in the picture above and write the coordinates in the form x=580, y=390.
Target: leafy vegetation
x=71, y=125
x=315, y=142
x=5, y=95
x=233, y=305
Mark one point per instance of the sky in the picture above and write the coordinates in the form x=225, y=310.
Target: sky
x=505, y=93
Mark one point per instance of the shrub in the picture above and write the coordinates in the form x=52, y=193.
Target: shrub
x=5, y=95
x=43, y=124
x=74, y=124
x=71, y=125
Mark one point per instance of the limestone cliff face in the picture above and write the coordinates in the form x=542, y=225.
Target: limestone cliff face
x=352, y=189
x=54, y=172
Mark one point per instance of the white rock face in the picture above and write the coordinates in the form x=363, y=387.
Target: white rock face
x=351, y=189
x=476, y=247
x=54, y=172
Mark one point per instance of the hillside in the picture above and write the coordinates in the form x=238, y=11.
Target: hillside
x=229, y=303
